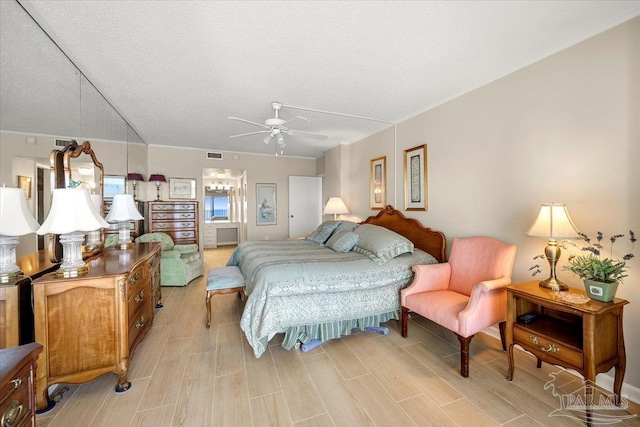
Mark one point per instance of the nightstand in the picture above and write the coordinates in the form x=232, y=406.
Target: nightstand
x=585, y=337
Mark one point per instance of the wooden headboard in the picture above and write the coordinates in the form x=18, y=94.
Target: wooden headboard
x=423, y=238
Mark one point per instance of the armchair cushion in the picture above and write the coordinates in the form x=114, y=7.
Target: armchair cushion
x=166, y=242
x=185, y=249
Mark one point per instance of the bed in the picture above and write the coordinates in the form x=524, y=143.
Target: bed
x=308, y=291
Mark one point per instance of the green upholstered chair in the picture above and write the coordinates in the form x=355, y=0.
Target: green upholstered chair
x=179, y=264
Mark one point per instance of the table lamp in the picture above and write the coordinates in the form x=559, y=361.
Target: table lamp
x=123, y=210
x=15, y=220
x=71, y=215
x=157, y=178
x=335, y=206
x=553, y=222
x=134, y=178
x=94, y=238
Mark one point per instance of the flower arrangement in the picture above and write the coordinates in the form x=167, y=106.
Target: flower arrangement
x=592, y=266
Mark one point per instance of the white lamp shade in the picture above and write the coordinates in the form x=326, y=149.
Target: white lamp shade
x=553, y=222
x=15, y=217
x=71, y=210
x=335, y=205
x=123, y=208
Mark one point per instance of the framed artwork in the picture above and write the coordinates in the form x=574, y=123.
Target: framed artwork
x=113, y=184
x=415, y=178
x=182, y=188
x=24, y=182
x=266, y=204
x=378, y=183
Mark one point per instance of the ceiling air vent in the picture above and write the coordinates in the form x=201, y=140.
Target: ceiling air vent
x=214, y=155
x=61, y=143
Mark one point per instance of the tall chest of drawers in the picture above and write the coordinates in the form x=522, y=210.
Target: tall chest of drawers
x=178, y=219
x=91, y=325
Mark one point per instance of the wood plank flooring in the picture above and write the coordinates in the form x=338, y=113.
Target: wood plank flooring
x=186, y=375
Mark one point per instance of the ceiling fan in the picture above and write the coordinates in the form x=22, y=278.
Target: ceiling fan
x=276, y=128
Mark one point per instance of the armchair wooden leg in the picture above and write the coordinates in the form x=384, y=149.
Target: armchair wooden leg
x=404, y=321
x=464, y=355
x=502, y=326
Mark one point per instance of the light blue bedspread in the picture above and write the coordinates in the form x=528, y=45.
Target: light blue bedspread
x=311, y=292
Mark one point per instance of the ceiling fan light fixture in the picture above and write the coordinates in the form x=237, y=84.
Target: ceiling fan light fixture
x=267, y=139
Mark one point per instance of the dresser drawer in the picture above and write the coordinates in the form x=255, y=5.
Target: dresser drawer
x=136, y=279
x=183, y=235
x=137, y=299
x=15, y=405
x=178, y=225
x=546, y=347
x=140, y=322
x=173, y=207
x=172, y=216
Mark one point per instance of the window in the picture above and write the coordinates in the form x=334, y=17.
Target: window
x=216, y=205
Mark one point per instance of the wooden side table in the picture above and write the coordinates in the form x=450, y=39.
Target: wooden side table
x=585, y=337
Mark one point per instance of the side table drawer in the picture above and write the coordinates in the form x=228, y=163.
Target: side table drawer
x=544, y=346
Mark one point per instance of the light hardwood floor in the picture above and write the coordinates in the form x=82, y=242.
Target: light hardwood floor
x=186, y=375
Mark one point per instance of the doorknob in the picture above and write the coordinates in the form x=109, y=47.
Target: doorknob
x=291, y=216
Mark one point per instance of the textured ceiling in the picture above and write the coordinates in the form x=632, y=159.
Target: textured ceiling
x=177, y=69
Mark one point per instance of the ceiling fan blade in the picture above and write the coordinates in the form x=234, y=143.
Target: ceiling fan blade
x=307, y=134
x=249, y=133
x=296, y=118
x=249, y=121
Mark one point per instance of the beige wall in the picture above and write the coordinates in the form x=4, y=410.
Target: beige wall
x=189, y=163
x=565, y=129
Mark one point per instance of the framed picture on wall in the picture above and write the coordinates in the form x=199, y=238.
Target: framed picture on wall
x=182, y=188
x=266, y=204
x=378, y=183
x=415, y=178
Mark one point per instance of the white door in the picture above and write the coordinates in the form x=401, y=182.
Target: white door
x=305, y=204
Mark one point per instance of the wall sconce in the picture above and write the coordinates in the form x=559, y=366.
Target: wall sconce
x=134, y=178
x=15, y=220
x=335, y=206
x=553, y=222
x=71, y=215
x=122, y=211
x=157, y=178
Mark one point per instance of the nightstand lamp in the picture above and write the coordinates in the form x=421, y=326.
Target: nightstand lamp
x=134, y=178
x=71, y=215
x=157, y=178
x=15, y=220
x=122, y=211
x=553, y=223
x=335, y=206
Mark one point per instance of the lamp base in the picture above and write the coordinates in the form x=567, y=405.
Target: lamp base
x=553, y=284
x=72, y=271
x=9, y=277
x=124, y=246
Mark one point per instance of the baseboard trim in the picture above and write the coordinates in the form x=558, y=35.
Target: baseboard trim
x=603, y=380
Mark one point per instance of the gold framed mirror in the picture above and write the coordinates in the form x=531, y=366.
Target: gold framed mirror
x=66, y=175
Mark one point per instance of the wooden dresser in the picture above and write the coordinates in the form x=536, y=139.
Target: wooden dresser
x=91, y=325
x=17, y=393
x=178, y=219
x=137, y=227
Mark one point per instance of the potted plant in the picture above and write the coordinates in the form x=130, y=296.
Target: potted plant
x=601, y=276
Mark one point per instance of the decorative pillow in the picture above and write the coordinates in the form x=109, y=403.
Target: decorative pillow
x=380, y=244
x=346, y=225
x=322, y=233
x=342, y=241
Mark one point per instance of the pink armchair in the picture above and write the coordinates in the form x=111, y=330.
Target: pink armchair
x=466, y=294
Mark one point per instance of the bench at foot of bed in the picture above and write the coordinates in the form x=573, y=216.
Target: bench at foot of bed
x=223, y=280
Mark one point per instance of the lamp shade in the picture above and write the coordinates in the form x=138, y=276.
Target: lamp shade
x=71, y=210
x=335, y=205
x=553, y=222
x=123, y=208
x=157, y=178
x=15, y=217
x=134, y=177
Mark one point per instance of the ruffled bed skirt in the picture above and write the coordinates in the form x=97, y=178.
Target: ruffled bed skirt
x=331, y=330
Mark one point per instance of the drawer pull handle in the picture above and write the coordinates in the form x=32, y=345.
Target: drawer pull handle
x=17, y=382
x=140, y=297
x=550, y=348
x=162, y=216
x=186, y=215
x=12, y=413
x=140, y=323
x=186, y=224
x=161, y=225
x=135, y=277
